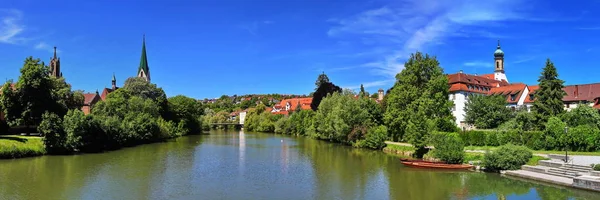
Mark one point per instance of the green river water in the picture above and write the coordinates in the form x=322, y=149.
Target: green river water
x=237, y=165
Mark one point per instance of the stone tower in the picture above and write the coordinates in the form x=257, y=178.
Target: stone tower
x=143, y=69
x=380, y=95
x=114, y=82
x=55, y=66
x=499, y=64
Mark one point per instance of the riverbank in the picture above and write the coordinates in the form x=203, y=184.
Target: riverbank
x=16, y=146
x=406, y=150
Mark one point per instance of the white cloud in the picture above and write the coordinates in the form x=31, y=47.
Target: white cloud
x=479, y=64
x=372, y=84
x=10, y=26
x=41, y=45
x=416, y=25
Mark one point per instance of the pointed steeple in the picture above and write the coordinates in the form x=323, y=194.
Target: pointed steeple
x=54, y=52
x=114, y=82
x=143, y=69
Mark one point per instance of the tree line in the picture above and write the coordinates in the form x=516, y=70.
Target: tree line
x=139, y=112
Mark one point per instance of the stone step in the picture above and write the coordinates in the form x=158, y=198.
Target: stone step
x=560, y=174
x=555, y=171
x=551, y=163
x=578, y=166
x=575, y=169
x=538, y=169
x=595, y=173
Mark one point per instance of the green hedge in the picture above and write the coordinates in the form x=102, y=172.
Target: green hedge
x=537, y=140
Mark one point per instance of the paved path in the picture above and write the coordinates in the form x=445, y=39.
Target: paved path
x=585, y=160
x=541, y=177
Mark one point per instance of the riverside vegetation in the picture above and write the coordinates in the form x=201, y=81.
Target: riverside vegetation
x=137, y=113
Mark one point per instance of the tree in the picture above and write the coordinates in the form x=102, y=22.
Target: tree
x=548, y=98
x=137, y=86
x=419, y=98
x=323, y=90
x=36, y=93
x=362, y=92
x=186, y=109
x=321, y=80
x=486, y=111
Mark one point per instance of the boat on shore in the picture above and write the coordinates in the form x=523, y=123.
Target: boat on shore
x=434, y=165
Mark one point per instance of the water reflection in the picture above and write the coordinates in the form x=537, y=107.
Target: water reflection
x=242, y=165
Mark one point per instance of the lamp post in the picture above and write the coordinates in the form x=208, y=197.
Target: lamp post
x=566, y=156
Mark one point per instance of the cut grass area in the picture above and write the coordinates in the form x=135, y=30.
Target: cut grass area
x=489, y=148
x=399, y=147
x=535, y=159
x=12, y=146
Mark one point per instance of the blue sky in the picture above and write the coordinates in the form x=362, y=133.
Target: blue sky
x=204, y=49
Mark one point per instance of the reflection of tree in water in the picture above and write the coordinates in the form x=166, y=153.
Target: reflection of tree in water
x=340, y=172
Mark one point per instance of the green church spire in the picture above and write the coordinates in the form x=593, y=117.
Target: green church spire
x=144, y=70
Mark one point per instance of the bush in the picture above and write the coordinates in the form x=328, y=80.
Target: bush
x=534, y=139
x=55, y=139
x=491, y=138
x=375, y=138
x=449, y=149
x=476, y=138
x=507, y=157
x=596, y=167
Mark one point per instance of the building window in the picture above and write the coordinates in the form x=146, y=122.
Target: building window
x=512, y=97
x=567, y=105
x=497, y=65
x=513, y=108
x=531, y=97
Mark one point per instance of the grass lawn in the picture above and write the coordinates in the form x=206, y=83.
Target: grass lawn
x=13, y=146
x=488, y=148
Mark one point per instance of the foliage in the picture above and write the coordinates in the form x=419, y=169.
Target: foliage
x=186, y=111
x=548, y=98
x=486, y=111
x=507, y=157
x=526, y=121
x=362, y=92
x=322, y=79
x=341, y=119
x=375, y=138
x=535, y=160
x=55, y=139
x=137, y=86
x=417, y=100
x=449, y=148
x=596, y=167
x=36, y=93
x=322, y=91
x=583, y=114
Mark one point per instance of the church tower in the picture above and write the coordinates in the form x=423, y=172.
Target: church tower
x=144, y=70
x=55, y=66
x=114, y=82
x=499, y=64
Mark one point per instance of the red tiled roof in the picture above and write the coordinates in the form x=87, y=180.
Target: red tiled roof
x=283, y=112
x=515, y=89
x=105, y=93
x=488, y=76
x=585, y=92
x=304, y=103
x=89, y=98
x=532, y=90
x=472, y=83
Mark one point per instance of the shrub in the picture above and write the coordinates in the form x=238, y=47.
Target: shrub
x=55, y=138
x=491, y=138
x=596, y=167
x=507, y=157
x=282, y=126
x=534, y=139
x=450, y=149
x=375, y=138
x=477, y=138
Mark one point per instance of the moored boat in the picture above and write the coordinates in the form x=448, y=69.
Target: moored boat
x=436, y=165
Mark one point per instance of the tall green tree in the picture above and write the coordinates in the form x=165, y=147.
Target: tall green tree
x=548, y=98
x=362, y=92
x=323, y=90
x=321, y=80
x=418, y=102
x=36, y=93
x=486, y=111
x=137, y=86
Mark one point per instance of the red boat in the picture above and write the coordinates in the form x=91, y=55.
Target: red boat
x=434, y=165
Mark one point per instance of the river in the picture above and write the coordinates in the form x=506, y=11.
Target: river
x=237, y=165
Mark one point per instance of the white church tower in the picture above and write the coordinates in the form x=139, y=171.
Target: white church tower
x=499, y=61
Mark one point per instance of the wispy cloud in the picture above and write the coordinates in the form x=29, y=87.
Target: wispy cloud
x=479, y=64
x=523, y=59
x=253, y=27
x=46, y=47
x=10, y=26
x=589, y=28
x=416, y=25
x=372, y=84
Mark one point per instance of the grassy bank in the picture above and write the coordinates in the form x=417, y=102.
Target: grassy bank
x=12, y=146
x=489, y=148
x=407, y=151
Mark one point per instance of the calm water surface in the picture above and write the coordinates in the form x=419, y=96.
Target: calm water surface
x=237, y=165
